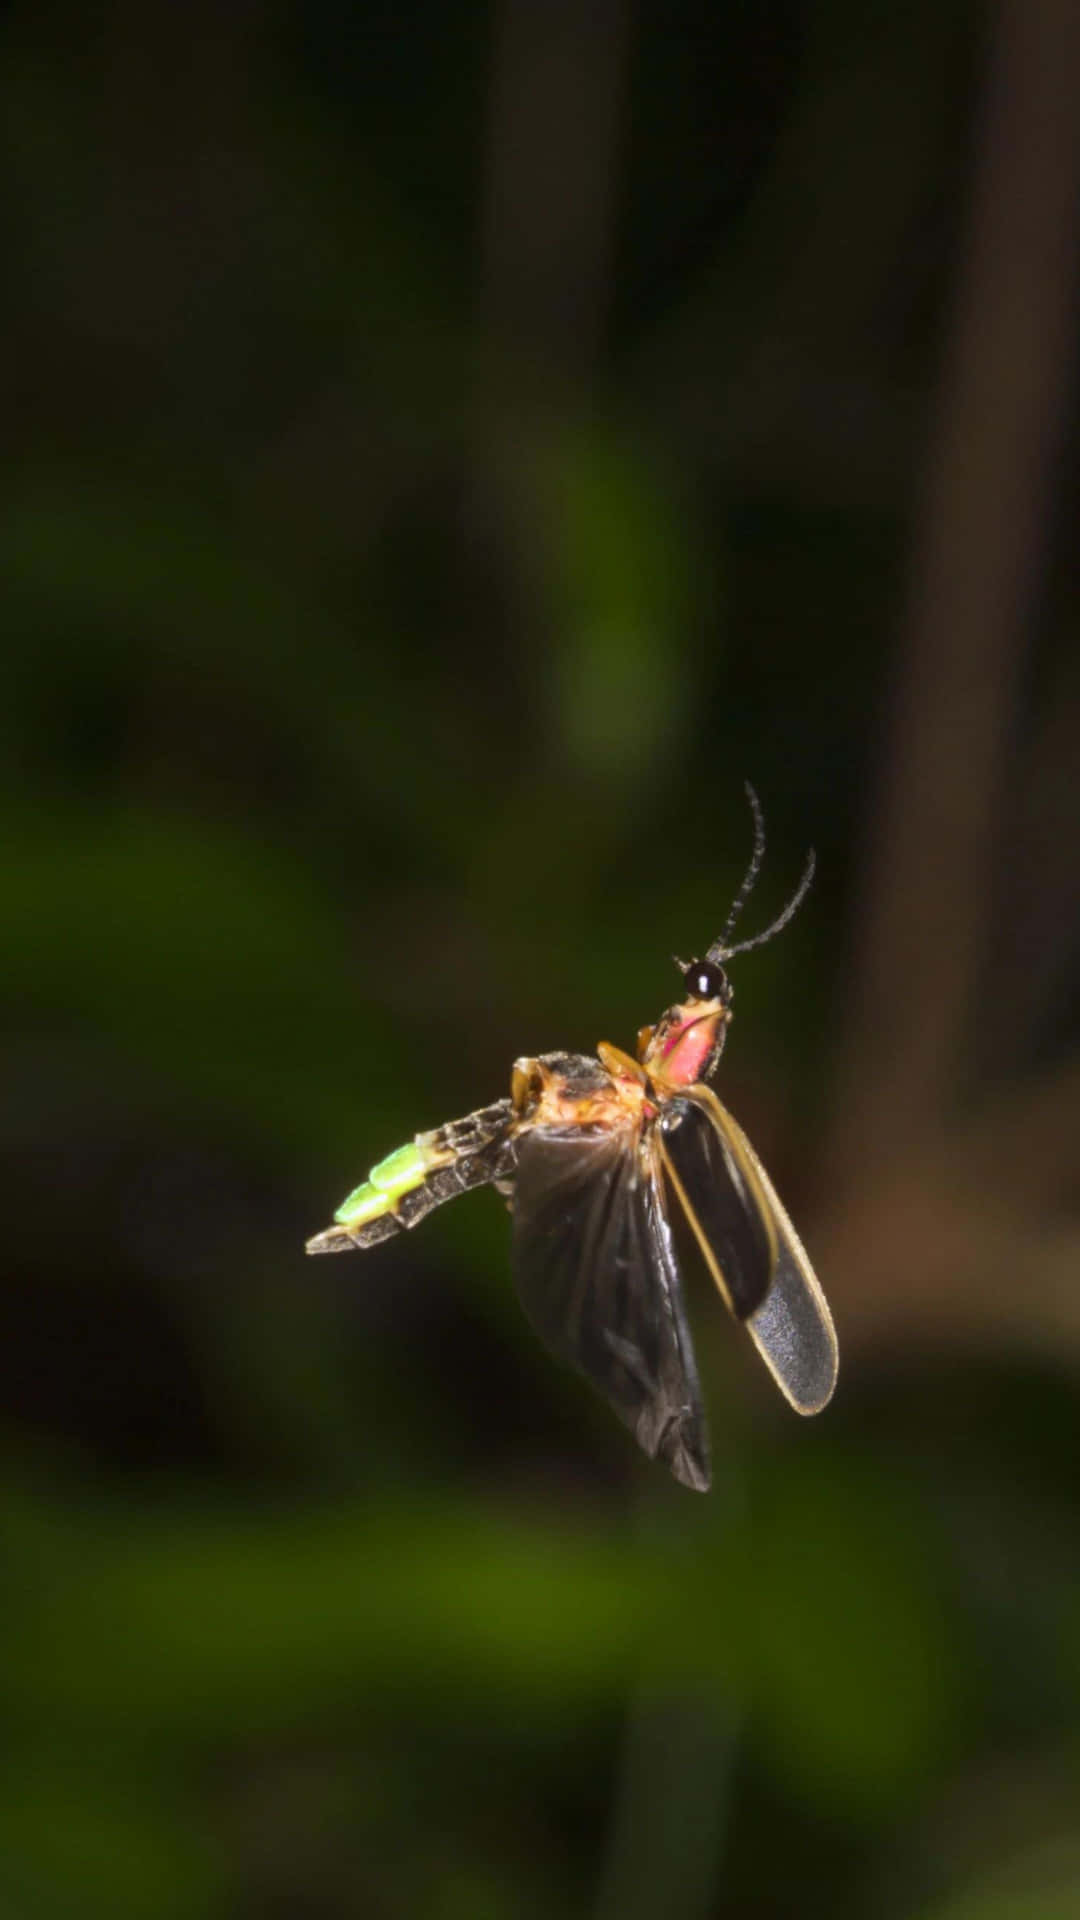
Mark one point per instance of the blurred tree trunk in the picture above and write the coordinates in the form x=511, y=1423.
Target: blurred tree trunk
x=976, y=576
x=901, y=1164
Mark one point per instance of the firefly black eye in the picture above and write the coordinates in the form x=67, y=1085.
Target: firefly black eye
x=706, y=981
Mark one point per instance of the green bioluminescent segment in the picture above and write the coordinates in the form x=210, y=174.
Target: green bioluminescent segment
x=398, y=1174
x=400, y=1170
x=362, y=1204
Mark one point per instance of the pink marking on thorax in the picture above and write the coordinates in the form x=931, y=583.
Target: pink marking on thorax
x=686, y=1052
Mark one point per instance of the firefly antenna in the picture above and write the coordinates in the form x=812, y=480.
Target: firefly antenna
x=752, y=870
x=720, y=950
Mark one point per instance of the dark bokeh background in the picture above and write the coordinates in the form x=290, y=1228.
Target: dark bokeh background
x=447, y=448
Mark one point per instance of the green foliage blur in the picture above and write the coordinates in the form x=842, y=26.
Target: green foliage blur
x=379, y=680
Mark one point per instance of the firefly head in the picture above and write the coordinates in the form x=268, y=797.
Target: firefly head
x=706, y=980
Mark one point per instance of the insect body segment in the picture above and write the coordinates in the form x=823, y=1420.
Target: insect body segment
x=622, y=1174
x=402, y=1189
x=395, y=1176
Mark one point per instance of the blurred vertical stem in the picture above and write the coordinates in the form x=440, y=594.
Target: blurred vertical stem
x=670, y=1812
x=976, y=574
x=671, y=1797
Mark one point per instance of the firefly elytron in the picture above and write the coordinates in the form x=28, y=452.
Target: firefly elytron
x=619, y=1172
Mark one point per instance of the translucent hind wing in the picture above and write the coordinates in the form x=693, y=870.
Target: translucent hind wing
x=597, y=1276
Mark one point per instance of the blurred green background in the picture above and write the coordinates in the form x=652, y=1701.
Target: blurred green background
x=447, y=449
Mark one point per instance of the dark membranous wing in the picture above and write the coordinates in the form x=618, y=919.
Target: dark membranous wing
x=750, y=1246
x=596, y=1273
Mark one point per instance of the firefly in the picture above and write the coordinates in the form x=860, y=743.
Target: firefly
x=621, y=1173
